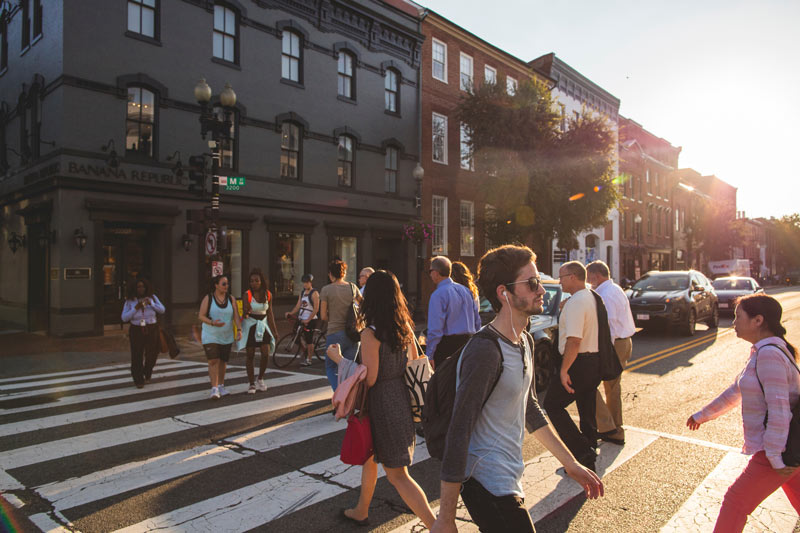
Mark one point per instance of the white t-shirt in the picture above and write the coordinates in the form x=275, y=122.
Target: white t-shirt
x=579, y=319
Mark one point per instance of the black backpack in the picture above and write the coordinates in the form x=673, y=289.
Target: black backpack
x=441, y=394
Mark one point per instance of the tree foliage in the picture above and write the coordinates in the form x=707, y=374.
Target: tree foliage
x=787, y=242
x=543, y=182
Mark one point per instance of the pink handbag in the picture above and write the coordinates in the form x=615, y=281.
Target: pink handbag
x=348, y=393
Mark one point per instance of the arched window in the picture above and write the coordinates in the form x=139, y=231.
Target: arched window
x=346, y=153
x=291, y=56
x=290, y=150
x=391, y=83
x=346, y=76
x=140, y=123
x=226, y=42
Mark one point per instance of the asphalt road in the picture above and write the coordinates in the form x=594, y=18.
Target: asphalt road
x=89, y=450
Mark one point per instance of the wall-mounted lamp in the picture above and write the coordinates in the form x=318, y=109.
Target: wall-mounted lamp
x=80, y=238
x=15, y=240
x=48, y=237
x=186, y=240
x=177, y=169
x=113, y=159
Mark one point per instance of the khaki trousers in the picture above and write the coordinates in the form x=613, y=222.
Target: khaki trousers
x=609, y=412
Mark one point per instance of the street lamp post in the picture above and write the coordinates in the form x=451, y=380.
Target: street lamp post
x=418, y=173
x=220, y=130
x=638, y=221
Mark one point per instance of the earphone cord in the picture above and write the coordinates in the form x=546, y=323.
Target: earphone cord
x=511, y=318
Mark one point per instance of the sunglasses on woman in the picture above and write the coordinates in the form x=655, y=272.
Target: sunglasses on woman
x=533, y=282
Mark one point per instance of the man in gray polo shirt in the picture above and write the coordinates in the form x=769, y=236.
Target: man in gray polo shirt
x=483, y=449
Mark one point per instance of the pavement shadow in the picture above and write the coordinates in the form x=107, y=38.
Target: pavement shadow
x=663, y=361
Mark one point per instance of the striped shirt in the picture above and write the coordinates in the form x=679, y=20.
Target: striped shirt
x=781, y=383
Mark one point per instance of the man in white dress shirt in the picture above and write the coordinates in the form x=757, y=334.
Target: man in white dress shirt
x=620, y=321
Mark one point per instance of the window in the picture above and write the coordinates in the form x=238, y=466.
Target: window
x=467, y=162
x=289, y=265
x=391, y=85
x=657, y=186
x=225, y=44
x=140, y=122
x=390, y=172
x=466, y=73
x=346, y=77
x=37, y=18
x=511, y=85
x=439, y=138
x=346, y=249
x=142, y=17
x=677, y=219
x=439, y=63
x=3, y=42
x=290, y=150
x=25, y=5
x=647, y=180
x=227, y=148
x=489, y=75
x=490, y=218
x=649, y=219
x=467, y=228
x=439, y=217
x=658, y=222
x=345, y=161
x=290, y=57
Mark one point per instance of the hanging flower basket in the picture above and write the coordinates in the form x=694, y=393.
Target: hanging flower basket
x=417, y=232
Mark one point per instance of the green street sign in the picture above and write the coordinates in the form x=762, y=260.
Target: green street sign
x=235, y=183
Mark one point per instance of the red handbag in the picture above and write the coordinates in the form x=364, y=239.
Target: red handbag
x=357, y=443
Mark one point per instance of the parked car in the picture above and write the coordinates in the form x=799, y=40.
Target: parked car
x=544, y=328
x=677, y=299
x=730, y=288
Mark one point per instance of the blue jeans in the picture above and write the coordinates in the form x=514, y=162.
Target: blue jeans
x=349, y=351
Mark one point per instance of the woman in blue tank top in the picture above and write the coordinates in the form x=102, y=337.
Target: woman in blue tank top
x=218, y=313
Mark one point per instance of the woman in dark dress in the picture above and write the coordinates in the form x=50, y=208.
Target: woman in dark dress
x=386, y=346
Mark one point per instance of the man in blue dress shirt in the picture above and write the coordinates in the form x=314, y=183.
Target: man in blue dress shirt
x=452, y=313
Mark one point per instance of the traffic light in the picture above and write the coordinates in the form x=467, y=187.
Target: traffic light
x=195, y=221
x=197, y=173
x=222, y=239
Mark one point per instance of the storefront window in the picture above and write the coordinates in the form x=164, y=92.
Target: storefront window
x=345, y=248
x=231, y=262
x=289, y=264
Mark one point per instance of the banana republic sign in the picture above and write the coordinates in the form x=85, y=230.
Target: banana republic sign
x=125, y=173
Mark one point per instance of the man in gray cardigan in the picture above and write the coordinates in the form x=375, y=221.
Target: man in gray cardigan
x=483, y=449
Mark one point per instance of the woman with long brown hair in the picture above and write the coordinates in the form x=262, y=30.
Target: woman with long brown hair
x=461, y=274
x=766, y=389
x=387, y=343
x=258, y=329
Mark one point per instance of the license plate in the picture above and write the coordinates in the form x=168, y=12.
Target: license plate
x=723, y=305
x=642, y=317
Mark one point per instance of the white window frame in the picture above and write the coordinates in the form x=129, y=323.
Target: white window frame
x=439, y=223
x=511, y=85
x=434, y=117
x=489, y=72
x=465, y=154
x=222, y=35
x=434, y=43
x=390, y=169
x=461, y=73
x=467, y=218
x=291, y=56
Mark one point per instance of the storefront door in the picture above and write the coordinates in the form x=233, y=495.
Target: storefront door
x=126, y=257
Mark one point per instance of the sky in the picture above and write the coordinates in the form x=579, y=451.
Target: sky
x=719, y=78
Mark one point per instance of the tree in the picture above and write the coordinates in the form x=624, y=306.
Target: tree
x=543, y=183
x=787, y=243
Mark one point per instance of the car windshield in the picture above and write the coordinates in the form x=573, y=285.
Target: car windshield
x=550, y=298
x=670, y=282
x=732, y=285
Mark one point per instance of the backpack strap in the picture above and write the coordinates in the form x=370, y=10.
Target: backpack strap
x=208, y=311
x=759, y=379
x=489, y=333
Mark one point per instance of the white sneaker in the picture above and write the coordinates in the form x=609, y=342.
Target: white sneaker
x=223, y=391
x=215, y=393
x=261, y=386
x=251, y=390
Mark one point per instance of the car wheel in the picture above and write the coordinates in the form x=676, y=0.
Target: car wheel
x=691, y=322
x=713, y=320
x=544, y=365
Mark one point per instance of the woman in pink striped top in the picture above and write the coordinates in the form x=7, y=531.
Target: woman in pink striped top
x=758, y=320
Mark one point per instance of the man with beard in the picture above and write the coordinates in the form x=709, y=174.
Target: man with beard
x=494, y=400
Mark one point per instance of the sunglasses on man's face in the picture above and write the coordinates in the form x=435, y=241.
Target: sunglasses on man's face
x=533, y=282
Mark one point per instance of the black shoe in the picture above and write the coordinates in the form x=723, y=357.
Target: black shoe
x=609, y=437
x=140, y=385
x=364, y=522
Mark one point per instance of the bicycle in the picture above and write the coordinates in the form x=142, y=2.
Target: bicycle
x=291, y=345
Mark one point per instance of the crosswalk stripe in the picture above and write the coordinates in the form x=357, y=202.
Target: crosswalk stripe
x=131, y=476
x=80, y=377
x=123, y=408
x=89, y=371
x=545, y=484
x=38, y=453
x=262, y=502
x=7, y=482
x=122, y=381
x=699, y=513
x=44, y=522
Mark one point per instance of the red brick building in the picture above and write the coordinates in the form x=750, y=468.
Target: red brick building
x=646, y=230
x=453, y=61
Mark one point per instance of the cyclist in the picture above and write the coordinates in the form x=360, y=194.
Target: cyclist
x=306, y=310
